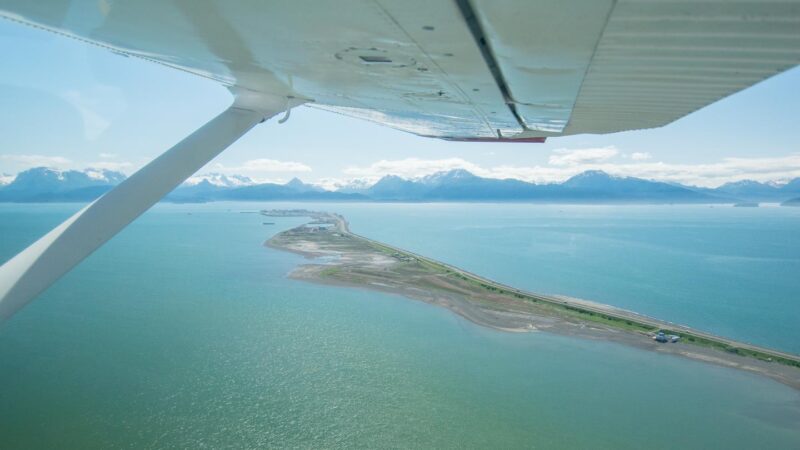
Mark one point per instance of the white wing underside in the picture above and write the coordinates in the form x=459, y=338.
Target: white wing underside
x=457, y=69
x=512, y=70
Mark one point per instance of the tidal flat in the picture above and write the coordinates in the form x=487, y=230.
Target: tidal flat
x=347, y=259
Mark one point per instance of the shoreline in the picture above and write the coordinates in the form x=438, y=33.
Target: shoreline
x=355, y=261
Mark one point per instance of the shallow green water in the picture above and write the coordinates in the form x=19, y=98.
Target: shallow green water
x=184, y=332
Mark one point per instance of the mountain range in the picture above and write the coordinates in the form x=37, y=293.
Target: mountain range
x=41, y=184
x=50, y=185
x=590, y=187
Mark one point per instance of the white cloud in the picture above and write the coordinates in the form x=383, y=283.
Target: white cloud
x=416, y=168
x=779, y=169
x=333, y=184
x=219, y=179
x=266, y=165
x=567, y=157
x=6, y=179
x=107, y=155
x=111, y=165
x=29, y=161
x=562, y=164
x=23, y=162
x=410, y=167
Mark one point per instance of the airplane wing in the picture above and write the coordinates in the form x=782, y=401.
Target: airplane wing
x=456, y=69
x=474, y=70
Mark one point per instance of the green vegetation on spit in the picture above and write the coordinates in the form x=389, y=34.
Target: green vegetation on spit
x=368, y=263
x=609, y=319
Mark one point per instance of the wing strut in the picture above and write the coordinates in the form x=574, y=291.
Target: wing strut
x=34, y=269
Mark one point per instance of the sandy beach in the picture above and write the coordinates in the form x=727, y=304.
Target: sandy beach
x=357, y=262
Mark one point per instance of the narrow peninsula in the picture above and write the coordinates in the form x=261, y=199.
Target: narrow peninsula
x=347, y=259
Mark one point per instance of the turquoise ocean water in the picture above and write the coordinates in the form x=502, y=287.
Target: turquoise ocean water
x=183, y=331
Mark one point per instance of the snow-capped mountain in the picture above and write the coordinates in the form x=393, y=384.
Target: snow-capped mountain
x=587, y=187
x=354, y=186
x=220, y=180
x=46, y=184
x=298, y=185
x=445, y=177
x=757, y=191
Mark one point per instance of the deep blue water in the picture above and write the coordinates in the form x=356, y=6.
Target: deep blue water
x=730, y=271
x=184, y=331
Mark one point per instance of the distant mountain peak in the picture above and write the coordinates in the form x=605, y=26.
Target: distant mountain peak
x=590, y=178
x=390, y=180
x=105, y=175
x=750, y=189
x=42, y=172
x=448, y=176
x=459, y=173
x=742, y=183
x=220, y=180
x=47, y=184
x=298, y=185
x=792, y=185
x=593, y=173
x=295, y=182
x=357, y=185
x=70, y=178
x=591, y=186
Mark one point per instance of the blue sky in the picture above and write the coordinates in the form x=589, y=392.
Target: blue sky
x=70, y=105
